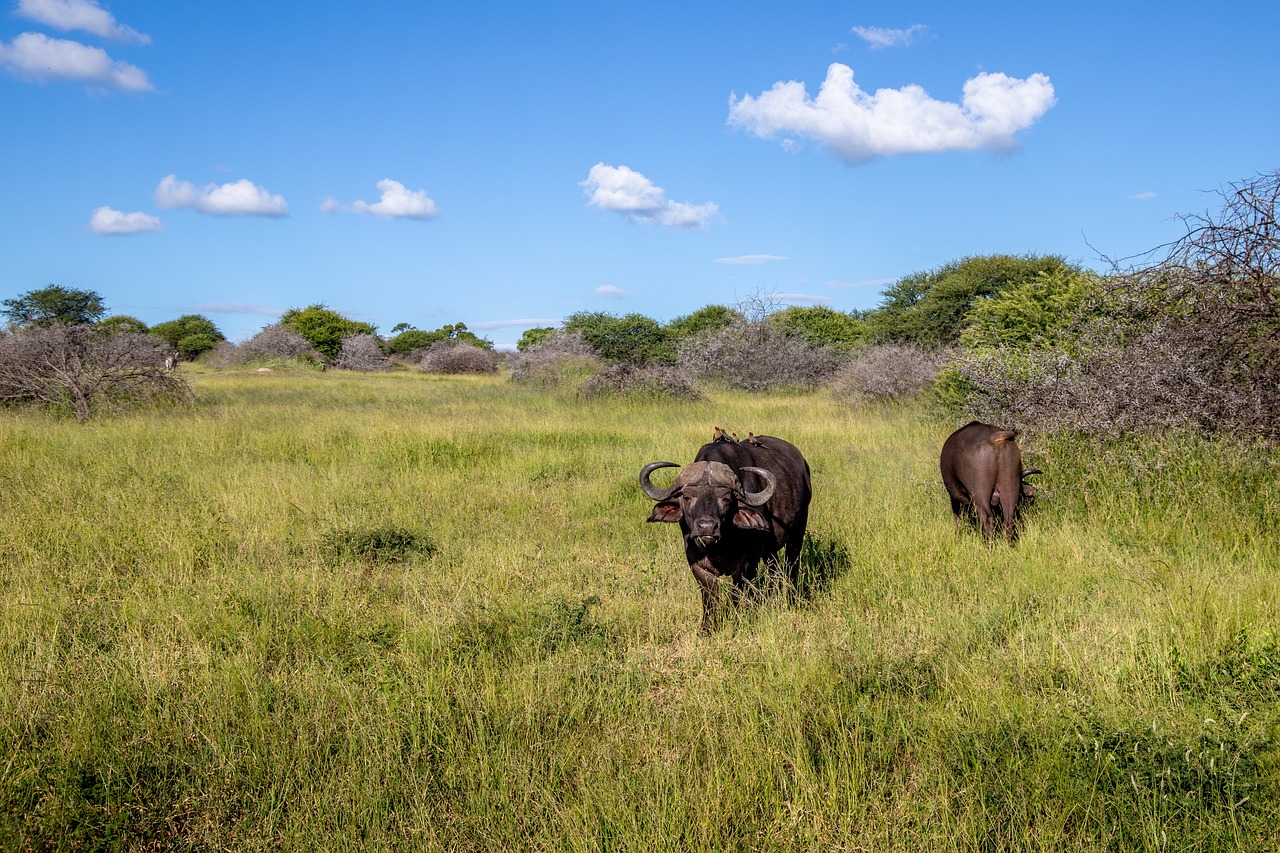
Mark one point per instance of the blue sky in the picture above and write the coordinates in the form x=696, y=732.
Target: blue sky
x=507, y=164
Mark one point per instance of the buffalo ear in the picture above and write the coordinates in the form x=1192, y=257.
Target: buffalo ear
x=750, y=519
x=665, y=511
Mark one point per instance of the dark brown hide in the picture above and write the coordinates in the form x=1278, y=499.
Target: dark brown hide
x=982, y=470
x=737, y=503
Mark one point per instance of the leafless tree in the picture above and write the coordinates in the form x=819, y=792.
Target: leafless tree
x=276, y=342
x=454, y=357
x=361, y=352
x=1200, y=317
x=1185, y=336
x=557, y=359
x=755, y=355
x=85, y=368
x=887, y=372
x=656, y=379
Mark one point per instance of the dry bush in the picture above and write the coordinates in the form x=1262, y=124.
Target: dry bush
x=361, y=352
x=1159, y=379
x=887, y=373
x=654, y=379
x=224, y=354
x=755, y=355
x=561, y=360
x=1189, y=340
x=276, y=343
x=81, y=367
x=452, y=357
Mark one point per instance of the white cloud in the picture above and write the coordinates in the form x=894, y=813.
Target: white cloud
x=1146, y=196
x=38, y=57
x=396, y=202
x=869, y=282
x=612, y=290
x=857, y=127
x=110, y=222
x=525, y=323
x=237, y=198
x=801, y=298
x=626, y=191
x=84, y=15
x=239, y=308
x=882, y=37
x=751, y=259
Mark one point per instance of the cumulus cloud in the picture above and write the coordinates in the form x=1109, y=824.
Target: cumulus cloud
x=626, y=191
x=857, y=126
x=750, y=259
x=237, y=198
x=869, y=282
x=396, y=202
x=85, y=15
x=613, y=291
x=110, y=222
x=801, y=298
x=36, y=56
x=882, y=37
x=524, y=323
x=239, y=308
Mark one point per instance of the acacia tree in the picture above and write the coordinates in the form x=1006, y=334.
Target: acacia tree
x=632, y=339
x=119, y=323
x=932, y=308
x=710, y=318
x=324, y=328
x=535, y=337
x=190, y=334
x=822, y=326
x=54, y=305
x=407, y=338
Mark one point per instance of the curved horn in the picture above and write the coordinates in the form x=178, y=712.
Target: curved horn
x=758, y=498
x=1027, y=473
x=650, y=489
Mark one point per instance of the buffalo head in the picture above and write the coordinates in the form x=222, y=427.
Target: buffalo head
x=705, y=496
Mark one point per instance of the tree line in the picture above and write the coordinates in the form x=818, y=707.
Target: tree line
x=1186, y=336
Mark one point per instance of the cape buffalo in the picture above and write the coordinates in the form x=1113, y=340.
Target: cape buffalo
x=982, y=470
x=738, y=502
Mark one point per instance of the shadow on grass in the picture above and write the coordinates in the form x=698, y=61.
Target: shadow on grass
x=822, y=560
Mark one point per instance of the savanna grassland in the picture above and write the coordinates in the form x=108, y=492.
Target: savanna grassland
x=331, y=611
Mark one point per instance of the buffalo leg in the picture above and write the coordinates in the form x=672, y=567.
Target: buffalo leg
x=1009, y=492
x=709, y=585
x=744, y=581
x=986, y=518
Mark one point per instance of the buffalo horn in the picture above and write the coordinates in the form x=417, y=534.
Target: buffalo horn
x=758, y=498
x=1027, y=473
x=650, y=489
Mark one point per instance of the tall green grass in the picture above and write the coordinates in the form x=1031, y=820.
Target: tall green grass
x=348, y=612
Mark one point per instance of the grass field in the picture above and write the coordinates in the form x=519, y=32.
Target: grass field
x=321, y=611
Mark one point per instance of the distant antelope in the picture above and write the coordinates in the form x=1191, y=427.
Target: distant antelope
x=171, y=361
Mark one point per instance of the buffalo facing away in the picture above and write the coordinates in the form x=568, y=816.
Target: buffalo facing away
x=982, y=470
x=737, y=503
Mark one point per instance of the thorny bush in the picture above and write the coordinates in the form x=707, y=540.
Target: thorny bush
x=361, y=352
x=1189, y=340
x=452, y=357
x=756, y=356
x=83, y=367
